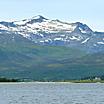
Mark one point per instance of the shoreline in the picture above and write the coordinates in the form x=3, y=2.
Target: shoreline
x=36, y=82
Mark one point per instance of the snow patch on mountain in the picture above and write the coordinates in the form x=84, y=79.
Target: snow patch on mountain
x=2, y=27
x=85, y=40
x=75, y=38
x=82, y=31
x=100, y=43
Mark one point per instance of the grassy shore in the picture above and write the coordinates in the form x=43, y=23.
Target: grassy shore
x=8, y=80
x=84, y=81
x=70, y=81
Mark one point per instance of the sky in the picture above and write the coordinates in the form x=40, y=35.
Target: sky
x=90, y=12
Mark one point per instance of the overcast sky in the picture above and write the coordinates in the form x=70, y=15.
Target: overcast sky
x=90, y=12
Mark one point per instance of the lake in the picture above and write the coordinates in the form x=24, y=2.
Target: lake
x=51, y=93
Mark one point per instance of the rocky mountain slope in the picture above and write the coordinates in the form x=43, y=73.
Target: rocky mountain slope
x=22, y=59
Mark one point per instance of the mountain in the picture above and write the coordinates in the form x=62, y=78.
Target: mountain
x=43, y=31
x=50, y=50
x=21, y=59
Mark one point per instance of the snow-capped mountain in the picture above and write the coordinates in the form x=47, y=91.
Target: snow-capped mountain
x=44, y=31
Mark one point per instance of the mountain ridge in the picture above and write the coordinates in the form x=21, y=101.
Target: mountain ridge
x=43, y=31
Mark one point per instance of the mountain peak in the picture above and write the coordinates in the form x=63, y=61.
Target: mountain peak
x=39, y=17
x=83, y=27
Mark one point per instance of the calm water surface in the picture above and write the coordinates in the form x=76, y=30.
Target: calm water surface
x=51, y=93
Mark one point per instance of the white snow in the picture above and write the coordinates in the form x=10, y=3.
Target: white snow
x=94, y=45
x=47, y=26
x=24, y=34
x=75, y=38
x=23, y=22
x=42, y=41
x=63, y=35
x=100, y=43
x=85, y=40
x=82, y=31
x=51, y=26
x=46, y=40
x=58, y=39
x=2, y=27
